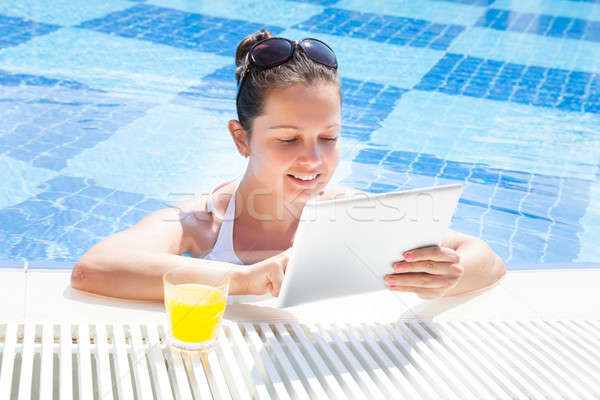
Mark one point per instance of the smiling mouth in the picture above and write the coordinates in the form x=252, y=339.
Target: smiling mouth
x=304, y=179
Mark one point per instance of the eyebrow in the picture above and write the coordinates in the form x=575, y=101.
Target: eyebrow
x=297, y=128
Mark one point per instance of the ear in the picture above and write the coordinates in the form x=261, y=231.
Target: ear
x=240, y=137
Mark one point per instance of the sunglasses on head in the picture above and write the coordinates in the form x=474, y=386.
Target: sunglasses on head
x=271, y=52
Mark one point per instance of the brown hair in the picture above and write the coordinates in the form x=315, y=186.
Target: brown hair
x=299, y=69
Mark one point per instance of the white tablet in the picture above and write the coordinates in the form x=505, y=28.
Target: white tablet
x=345, y=247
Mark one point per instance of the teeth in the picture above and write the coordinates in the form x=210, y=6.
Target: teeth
x=305, y=178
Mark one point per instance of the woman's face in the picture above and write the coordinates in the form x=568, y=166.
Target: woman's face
x=296, y=137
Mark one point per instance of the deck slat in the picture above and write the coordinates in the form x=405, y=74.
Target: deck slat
x=8, y=360
x=368, y=362
x=122, y=370
x=181, y=385
x=353, y=364
x=403, y=384
x=47, y=362
x=243, y=389
x=262, y=355
x=215, y=373
x=495, y=353
x=353, y=390
x=416, y=359
x=322, y=368
x=528, y=360
x=280, y=355
x=423, y=366
x=201, y=388
x=27, y=362
x=315, y=386
x=444, y=373
x=451, y=361
x=65, y=388
x=103, y=364
x=415, y=376
x=551, y=357
x=84, y=363
x=140, y=367
x=157, y=364
x=251, y=366
x=469, y=358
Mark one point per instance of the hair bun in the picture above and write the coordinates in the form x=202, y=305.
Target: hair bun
x=244, y=47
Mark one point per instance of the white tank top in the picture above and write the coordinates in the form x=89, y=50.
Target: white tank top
x=223, y=248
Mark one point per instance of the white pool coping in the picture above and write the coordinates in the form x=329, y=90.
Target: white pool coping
x=45, y=295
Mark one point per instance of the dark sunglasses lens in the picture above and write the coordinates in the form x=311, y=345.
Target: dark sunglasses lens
x=319, y=52
x=271, y=52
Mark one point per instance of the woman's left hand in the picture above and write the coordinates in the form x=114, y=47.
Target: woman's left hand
x=428, y=271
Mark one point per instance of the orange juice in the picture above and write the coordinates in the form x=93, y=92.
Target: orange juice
x=195, y=311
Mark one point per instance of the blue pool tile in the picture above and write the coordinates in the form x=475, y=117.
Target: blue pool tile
x=495, y=80
x=161, y=69
x=67, y=218
x=390, y=29
x=15, y=31
x=60, y=12
x=540, y=24
x=151, y=205
x=365, y=105
x=177, y=28
x=132, y=217
x=493, y=199
x=483, y=3
x=259, y=11
x=100, y=226
x=319, y=2
x=74, y=126
x=459, y=13
x=8, y=78
x=111, y=211
x=119, y=197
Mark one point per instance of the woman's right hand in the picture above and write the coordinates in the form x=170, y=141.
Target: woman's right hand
x=267, y=275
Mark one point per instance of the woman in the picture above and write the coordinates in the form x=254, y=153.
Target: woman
x=289, y=115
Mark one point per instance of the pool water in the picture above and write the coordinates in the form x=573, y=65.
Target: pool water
x=110, y=110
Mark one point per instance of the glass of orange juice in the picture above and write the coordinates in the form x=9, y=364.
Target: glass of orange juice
x=195, y=306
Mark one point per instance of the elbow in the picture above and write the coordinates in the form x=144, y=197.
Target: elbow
x=85, y=276
x=499, y=269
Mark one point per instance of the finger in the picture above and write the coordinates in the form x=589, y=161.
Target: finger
x=430, y=267
x=433, y=253
x=276, y=277
x=424, y=293
x=285, y=259
x=418, y=279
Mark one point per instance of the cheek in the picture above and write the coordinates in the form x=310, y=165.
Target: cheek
x=332, y=155
x=271, y=160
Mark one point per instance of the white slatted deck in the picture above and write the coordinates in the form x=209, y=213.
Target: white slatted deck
x=414, y=359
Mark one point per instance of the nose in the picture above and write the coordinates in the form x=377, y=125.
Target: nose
x=311, y=154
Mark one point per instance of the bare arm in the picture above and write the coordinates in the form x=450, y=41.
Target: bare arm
x=130, y=264
x=482, y=267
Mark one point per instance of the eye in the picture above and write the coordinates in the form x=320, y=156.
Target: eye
x=287, y=140
x=331, y=139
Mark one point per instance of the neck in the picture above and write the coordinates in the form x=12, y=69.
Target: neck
x=265, y=208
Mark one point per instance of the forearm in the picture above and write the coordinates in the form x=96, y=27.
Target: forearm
x=137, y=275
x=482, y=267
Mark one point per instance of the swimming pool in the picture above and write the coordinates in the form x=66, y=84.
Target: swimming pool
x=110, y=110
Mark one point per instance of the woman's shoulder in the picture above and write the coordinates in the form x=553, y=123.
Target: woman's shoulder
x=197, y=217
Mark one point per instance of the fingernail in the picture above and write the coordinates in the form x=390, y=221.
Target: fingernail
x=408, y=255
x=397, y=267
